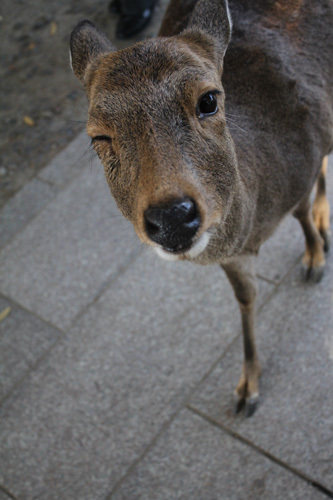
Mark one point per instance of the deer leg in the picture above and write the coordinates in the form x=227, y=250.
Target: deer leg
x=314, y=258
x=321, y=208
x=243, y=280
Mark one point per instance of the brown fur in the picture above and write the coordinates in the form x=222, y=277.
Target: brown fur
x=243, y=168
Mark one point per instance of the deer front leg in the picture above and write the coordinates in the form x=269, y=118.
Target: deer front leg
x=243, y=280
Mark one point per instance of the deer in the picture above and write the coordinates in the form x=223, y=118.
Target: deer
x=214, y=131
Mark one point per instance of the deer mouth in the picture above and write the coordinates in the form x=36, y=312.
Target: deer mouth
x=193, y=251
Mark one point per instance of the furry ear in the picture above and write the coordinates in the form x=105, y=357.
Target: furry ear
x=212, y=18
x=86, y=44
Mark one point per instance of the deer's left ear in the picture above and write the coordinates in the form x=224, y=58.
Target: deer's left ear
x=87, y=43
x=212, y=18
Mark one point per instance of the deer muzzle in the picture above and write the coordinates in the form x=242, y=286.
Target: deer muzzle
x=173, y=225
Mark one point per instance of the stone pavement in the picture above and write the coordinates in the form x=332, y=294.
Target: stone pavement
x=117, y=368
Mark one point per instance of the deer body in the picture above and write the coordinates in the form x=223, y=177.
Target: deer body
x=208, y=140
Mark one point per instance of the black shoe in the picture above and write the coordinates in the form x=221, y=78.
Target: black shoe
x=128, y=26
x=114, y=7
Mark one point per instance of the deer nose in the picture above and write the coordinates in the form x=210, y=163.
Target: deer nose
x=173, y=225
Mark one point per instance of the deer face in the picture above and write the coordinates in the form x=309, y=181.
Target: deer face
x=157, y=123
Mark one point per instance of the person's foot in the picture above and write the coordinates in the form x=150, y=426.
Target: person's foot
x=114, y=7
x=128, y=26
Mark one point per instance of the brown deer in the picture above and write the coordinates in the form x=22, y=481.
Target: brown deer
x=194, y=187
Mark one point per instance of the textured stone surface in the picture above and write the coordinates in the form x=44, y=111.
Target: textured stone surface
x=146, y=333
x=71, y=161
x=195, y=460
x=117, y=377
x=23, y=340
x=4, y=496
x=295, y=340
x=282, y=251
x=69, y=252
x=22, y=207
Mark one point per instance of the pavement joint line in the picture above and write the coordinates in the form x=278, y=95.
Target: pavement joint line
x=89, y=160
x=2, y=247
x=104, y=287
x=32, y=368
x=8, y=493
x=268, y=280
x=108, y=284
x=145, y=452
x=60, y=190
x=62, y=333
x=33, y=313
x=278, y=282
x=262, y=451
x=35, y=365
x=58, y=153
x=226, y=350
x=219, y=359
x=184, y=405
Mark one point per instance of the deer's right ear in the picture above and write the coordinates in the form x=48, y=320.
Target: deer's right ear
x=86, y=44
x=210, y=18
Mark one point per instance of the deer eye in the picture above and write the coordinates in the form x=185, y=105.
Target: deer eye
x=207, y=105
x=97, y=138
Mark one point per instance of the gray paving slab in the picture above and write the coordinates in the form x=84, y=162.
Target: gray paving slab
x=23, y=207
x=93, y=406
x=70, y=162
x=295, y=419
x=64, y=258
x=4, y=496
x=195, y=460
x=282, y=251
x=23, y=340
x=91, y=409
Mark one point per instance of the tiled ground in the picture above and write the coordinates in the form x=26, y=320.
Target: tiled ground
x=117, y=368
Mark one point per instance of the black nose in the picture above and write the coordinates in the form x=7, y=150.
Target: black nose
x=173, y=225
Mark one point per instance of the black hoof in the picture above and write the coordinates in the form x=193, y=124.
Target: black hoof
x=251, y=406
x=239, y=403
x=327, y=239
x=313, y=274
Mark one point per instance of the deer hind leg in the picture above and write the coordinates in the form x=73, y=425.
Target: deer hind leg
x=314, y=257
x=321, y=208
x=243, y=280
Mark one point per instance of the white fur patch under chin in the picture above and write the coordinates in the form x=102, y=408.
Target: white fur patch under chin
x=199, y=246
x=196, y=250
x=167, y=255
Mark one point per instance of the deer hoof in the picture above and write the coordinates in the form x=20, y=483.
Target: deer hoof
x=239, y=403
x=251, y=405
x=326, y=235
x=313, y=274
